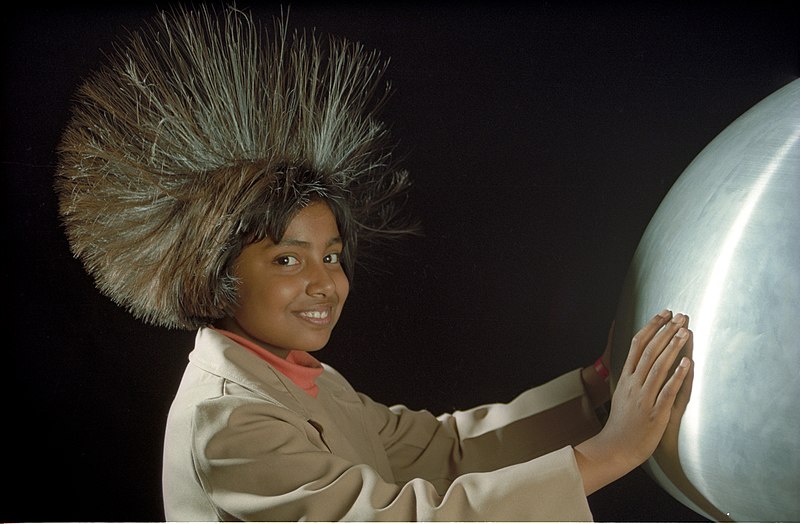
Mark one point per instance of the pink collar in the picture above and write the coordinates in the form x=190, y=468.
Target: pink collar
x=299, y=366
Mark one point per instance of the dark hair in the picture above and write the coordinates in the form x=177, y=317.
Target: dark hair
x=203, y=133
x=293, y=189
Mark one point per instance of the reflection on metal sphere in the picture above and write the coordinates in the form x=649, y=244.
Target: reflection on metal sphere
x=724, y=248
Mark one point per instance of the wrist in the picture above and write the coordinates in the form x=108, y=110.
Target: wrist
x=600, y=463
x=597, y=387
x=601, y=369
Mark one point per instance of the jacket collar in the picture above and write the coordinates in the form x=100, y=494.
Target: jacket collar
x=217, y=354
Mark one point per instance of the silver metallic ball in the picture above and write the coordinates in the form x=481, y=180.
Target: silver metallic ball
x=724, y=248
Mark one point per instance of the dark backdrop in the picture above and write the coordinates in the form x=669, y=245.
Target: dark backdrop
x=541, y=140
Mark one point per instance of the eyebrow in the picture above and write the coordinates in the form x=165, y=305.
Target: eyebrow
x=302, y=243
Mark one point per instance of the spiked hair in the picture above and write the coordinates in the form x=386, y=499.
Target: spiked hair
x=204, y=134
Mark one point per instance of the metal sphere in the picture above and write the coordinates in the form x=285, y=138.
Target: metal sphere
x=724, y=248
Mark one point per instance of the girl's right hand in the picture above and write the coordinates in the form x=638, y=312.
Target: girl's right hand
x=641, y=405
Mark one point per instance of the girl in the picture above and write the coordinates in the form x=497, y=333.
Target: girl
x=212, y=179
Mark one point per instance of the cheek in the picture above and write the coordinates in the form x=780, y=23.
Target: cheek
x=261, y=295
x=280, y=294
x=342, y=286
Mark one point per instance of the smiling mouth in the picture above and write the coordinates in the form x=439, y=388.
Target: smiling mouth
x=320, y=317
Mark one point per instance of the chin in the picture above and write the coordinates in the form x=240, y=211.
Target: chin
x=312, y=346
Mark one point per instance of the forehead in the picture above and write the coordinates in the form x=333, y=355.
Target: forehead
x=313, y=222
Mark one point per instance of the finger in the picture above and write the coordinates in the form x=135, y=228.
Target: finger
x=685, y=393
x=665, y=361
x=643, y=338
x=657, y=345
x=668, y=394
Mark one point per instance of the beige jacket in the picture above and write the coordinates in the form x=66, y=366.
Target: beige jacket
x=244, y=442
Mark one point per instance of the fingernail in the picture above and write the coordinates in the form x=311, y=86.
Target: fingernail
x=682, y=332
x=685, y=362
x=665, y=314
x=678, y=319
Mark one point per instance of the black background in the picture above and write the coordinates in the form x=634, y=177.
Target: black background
x=541, y=139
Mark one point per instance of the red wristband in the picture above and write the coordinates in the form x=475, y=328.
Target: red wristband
x=601, y=368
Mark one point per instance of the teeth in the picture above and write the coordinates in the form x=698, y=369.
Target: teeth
x=315, y=314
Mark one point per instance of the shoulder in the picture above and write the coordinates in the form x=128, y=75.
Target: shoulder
x=332, y=377
x=332, y=383
x=223, y=378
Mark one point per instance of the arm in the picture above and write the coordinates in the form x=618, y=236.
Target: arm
x=263, y=465
x=538, y=421
x=642, y=404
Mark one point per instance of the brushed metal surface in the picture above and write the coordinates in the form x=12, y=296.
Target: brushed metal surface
x=724, y=248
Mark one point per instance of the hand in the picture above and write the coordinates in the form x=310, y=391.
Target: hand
x=642, y=403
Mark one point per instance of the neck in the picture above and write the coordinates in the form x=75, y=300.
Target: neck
x=233, y=326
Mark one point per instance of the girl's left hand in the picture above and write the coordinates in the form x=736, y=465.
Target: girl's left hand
x=642, y=405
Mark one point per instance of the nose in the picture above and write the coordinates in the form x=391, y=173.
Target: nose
x=320, y=283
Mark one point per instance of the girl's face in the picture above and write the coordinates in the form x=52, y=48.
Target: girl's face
x=292, y=293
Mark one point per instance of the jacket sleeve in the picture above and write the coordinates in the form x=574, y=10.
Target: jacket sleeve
x=265, y=463
x=537, y=422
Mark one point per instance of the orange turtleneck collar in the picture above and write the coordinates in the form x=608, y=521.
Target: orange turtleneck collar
x=299, y=366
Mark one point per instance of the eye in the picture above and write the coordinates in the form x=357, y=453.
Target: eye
x=332, y=258
x=287, y=260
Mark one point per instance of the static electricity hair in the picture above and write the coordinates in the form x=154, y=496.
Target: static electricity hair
x=204, y=133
